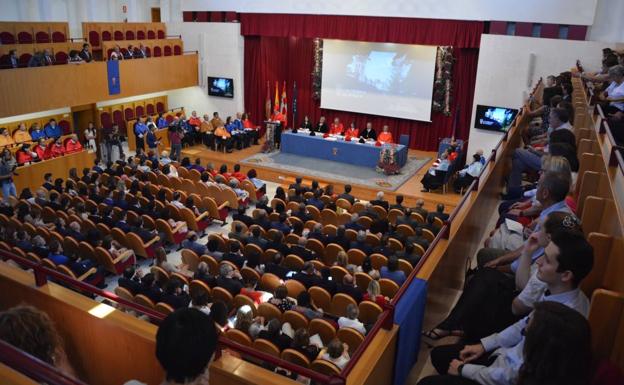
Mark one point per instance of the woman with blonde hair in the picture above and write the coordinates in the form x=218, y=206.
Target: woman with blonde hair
x=373, y=294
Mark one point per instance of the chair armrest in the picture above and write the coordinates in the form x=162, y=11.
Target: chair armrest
x=223, y=205
x=202, y=216
x=178, y=227
x=152, y=241
x=88, y=273
x=123, y=256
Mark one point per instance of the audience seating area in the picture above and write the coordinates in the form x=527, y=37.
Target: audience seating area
x=60, y=52
x=153, y=48
x=120, y=114
x=33, y=32
x=98, y=33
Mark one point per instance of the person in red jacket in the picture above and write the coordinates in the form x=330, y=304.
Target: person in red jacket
x=336, y=127
x=56, y=149
x=24, y=155
x=42, y=149
x=238, y=174
x=352, y=132
x=73, y=145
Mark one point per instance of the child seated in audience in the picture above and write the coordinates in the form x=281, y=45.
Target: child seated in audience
x=337, y=353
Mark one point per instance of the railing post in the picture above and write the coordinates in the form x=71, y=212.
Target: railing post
x=446, y=230
x=389, y=320
x=40, y=277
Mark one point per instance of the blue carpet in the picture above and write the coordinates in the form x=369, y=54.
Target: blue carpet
x=340, y=172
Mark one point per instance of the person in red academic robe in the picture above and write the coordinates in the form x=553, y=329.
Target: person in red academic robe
x=24, y=155
x=41, y=149
x=336, y=127
x=73, y=145
x=385, y=136
x=352, y=131
x=56, y=149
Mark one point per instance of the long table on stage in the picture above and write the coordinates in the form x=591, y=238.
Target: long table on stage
x=360, y=154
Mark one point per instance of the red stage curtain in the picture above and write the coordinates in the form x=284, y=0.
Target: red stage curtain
x=281, y=57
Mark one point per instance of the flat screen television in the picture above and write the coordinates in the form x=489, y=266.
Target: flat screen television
x=223, y=87
x=494, y=118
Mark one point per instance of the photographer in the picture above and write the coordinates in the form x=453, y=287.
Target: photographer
x=175, y=138
x=112, y=138
x=7, y=171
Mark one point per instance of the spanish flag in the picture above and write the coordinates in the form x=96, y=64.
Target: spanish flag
x=284, y=105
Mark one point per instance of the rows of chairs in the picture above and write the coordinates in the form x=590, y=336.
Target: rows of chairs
x=97, y=33
x=25, y=52
x=33, y=32
x=122, y=113
x=153, y=48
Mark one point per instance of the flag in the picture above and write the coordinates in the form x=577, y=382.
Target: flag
x=294, y=104
x=276, y=106
x=114, y=82
x=284, y=105
x=267, y=104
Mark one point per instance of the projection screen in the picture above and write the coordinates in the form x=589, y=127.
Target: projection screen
x=385, y=79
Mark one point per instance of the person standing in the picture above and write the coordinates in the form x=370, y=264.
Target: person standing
x=7, y=171
x=152, y=140
x=90, y=136
x=140, y=131
x=175, y=138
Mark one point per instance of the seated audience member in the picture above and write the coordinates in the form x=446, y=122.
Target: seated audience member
x=308, y=276
x=275, y=266
x=200, y=300
x=241, y=216
x=257, y=239
x=420, y=208
x=250, y=290
x=174, y=294
x=25, y=155
x=300, y=250
x=348, y=287
x=304, y=306
x=385, y=136
x=281, y=224
x=567, y=259
x=33, y=332
x=392, y=272
x=57, y=149
x=191, y=243
x=554, y=347
x=130, y=281
x=373, y=294
x=379, y=201
x=150, y=288
x=368, y=133
x=73, y=145
x=351, y=320
x=439, y=213
x=336, y=127
x=21, y=134
x=52, y=130
x=5, y=138
x=185, y=344
x=347, y=194
x=235, y=255
x=337, y=353
x=230, y=279
x=36, y=132
x=398, y=205
x=84, y=54
x=361, y=244
x=273, y=333
x=246, y=322
x=301, y=343
x=56, y=253
x=281, y=299
x=468, y=174
x=161, y=260
x=116, y=54
x=434, y=177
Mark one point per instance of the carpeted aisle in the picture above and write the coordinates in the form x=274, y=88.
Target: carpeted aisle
x=341, y=172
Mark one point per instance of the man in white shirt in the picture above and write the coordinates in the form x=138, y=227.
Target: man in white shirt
x=497, y=359
x=351, y=320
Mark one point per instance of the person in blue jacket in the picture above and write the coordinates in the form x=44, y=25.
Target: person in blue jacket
x=140, y=131
x=52, y=130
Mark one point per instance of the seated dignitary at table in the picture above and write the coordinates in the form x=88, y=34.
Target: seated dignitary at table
x=336, y=127
x=368, y=133
x=306, y=124
x=321, y=127
x=385, y=136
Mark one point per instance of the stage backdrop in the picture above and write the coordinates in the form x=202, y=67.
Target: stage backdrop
x=281, y=47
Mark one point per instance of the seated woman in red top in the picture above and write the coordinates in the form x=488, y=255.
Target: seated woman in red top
x=385, y=136
x=56, y=149
x=41, y=149
x=247, y=123
x=373, y=294
x=24, y=155
x=336, y=127
x=352, y=131
x=73, y=145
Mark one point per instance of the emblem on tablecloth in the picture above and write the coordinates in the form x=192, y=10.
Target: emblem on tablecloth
x=334, y=151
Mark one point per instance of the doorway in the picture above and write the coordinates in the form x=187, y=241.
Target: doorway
x=156, y=15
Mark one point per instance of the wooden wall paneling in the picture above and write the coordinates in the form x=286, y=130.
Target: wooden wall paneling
x=12, y=377
x=89, y=84
x=31, y=176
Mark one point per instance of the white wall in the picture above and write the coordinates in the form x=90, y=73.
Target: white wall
x=503, y=73
x=550, y=11
x=221, y=54
x=65, y=110
x=608, y=23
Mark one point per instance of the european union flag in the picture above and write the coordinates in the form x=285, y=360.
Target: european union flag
x=114, y=82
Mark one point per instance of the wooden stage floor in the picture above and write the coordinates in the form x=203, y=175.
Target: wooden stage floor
x=410, y=189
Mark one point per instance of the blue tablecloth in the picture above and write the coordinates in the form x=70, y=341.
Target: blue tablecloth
x=360, y=154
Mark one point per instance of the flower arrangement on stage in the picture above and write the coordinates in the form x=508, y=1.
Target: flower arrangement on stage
x=318, y=68
x=388, y=160
x=443, y=83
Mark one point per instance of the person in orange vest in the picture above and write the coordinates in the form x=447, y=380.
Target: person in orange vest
x=336, y=127
x=73, y=145
x=21, y=134
x=223, y=137
x=385, y=136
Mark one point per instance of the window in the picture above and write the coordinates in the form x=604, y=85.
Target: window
x=511, y=28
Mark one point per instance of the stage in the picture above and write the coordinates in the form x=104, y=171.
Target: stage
x=409, y=188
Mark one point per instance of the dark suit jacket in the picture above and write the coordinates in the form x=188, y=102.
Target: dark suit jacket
x=258, y=241
x=154, y=293
x=283, y=227
x=85, y=55
x=246, y=219
x=266, y=208
x=365, y=247
x=342, y=241
x=237, y=259
x=232, y=285
x=324, y=128
x=133, y=286
x=398, y=207
x=384, y=250
x=354, y=226
x=176, y=301
x=383, y=204
x=318, y=235
x=421, y=211
x=348, y=197
x=278, y=270
x=281, y=247
x=302, y=252
x=308, y=280
x=352, y=291
x=369, y=134
x=282, y=341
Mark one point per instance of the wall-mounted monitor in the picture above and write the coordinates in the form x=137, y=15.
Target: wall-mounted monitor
x=494, y=118
x=223, y=87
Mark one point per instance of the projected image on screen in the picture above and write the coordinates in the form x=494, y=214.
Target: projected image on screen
x=494, y=118
x=378, y=78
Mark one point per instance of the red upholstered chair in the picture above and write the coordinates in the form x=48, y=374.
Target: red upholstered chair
x=128, y=114
x=42, y=37
x=7, y=38
x=24, y=59
x=160, y=107
x=106, y=120
x=119, y=35
x=108, y=52
x=129, y=35
x=25, y=37
x=61, y=57
x=149, y=107
x=139, y=111
x=124, y=52
x=177, y=50
x=167, y=50
x=65, y=127
x=119, y=119
x=59, y=37
x=140, y=35
x=161, y=34
x=148, y=51
x=107, y=36
x=157, y=51
x=151, y=35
